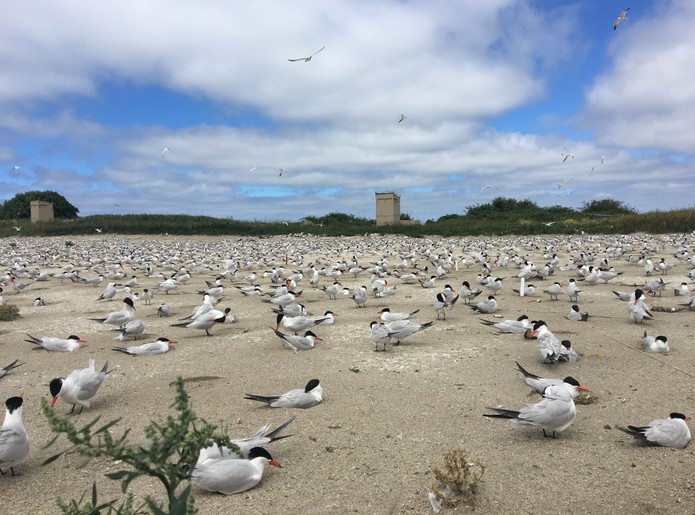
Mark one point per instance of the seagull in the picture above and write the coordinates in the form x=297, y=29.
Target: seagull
x=621, y=17
x=307, y=59
x=562, y=184
x=487, y=186
x=670, y=432
x=603, y=158
x=403, y=117
x=307, y=397
x=253, y=168
x=164, y=151
x=548, y=223
x=99, y=230
x=15, y=168
x=17, y=228
x=14, y=441
x=591, y=172
x=282, y=170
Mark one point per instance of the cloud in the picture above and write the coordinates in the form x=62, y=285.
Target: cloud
x=646, y=99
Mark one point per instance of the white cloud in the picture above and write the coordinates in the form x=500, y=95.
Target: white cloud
x=647, y=98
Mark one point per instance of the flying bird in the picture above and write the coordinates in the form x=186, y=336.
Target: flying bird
x=562, y=184
x=253, y=168
x=99, y=230
x=15, y=168
x=164, y=151
x=621, y=17
x=282, y=170
x=603, y=158
x=487, y=186
x=403, y=117
x=591, y=172
x=307, y=59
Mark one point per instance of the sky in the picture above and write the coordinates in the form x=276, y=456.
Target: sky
x=525, y=99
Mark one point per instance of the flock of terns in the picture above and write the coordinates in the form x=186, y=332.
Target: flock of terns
x=587, y=261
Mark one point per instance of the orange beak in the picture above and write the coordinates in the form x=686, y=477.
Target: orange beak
x=81, y=341
x=275, y=463
x=533, y=333
x=172, y=342
x=53, y=401
x=688, y=418
x=582, y=388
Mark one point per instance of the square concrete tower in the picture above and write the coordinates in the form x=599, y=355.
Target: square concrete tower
x=41, y=211
x=388, y=209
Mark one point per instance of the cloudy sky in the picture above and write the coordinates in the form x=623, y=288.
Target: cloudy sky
x=496, y=95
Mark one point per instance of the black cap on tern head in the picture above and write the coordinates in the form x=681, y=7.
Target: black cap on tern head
x=571, y=380
x=675, y=414
x=311, y=385
x=566, y=344
x=13, y=403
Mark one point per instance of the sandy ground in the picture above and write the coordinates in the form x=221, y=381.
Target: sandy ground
x=387, y=417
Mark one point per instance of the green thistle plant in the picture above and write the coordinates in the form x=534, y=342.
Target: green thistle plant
x=168, y=453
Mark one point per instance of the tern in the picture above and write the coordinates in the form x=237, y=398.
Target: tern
x=260, y=438
x=307, y=397
x=539, y=384
x=669, y=432
x=164, y=151
x=148, y=349
x=79, y=386
x=119, y=318
x=14, y=441
x=232, y=476
x=554, y=413
x=53, y=344
x=5, y=370
x=389, y=316
x=637, y=309
x=520, y=325
x=403, y=117
x=296, y=342
x=307, y=59
x=654, y=344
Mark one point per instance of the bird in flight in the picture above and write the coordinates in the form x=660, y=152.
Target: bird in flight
x=591, y=173
x=603, y=158
x=98, y=230
x=403, y=117
x=621, y=17
x=307, y=59
x=282, y=170
x=548, y=223
x=15, y=168
x=253, y=168
x=563, y=183
x=17, y=228
x=164, y=151
x=487, y=186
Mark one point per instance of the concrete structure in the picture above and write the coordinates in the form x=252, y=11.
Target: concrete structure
x=388, y=209
x=41, y=211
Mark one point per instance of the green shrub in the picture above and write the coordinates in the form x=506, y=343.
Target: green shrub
x=8, y=312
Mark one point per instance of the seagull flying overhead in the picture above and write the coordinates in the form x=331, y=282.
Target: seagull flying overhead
x=164, y=151
x=282, y=170
x=621, y=17
x=403, y=117
x=253, y=168
x=307, y=59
